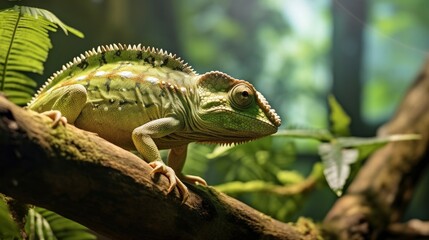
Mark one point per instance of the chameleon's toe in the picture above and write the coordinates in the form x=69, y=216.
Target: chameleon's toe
x=56, y=117
x=160, y=167
x=193, y=179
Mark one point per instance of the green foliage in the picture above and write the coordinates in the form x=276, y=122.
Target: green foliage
x=24, y=48
x=41, y=224
x=338, y=153
x=260, y=159
x=8, y=228
x=259, y=174
x=396, y=46
x=44, y=224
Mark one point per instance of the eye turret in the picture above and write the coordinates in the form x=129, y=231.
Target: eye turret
x=242, y=96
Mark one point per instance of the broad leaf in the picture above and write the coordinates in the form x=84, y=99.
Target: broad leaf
x=339, y=154
x=336, y=161
x=24, y=46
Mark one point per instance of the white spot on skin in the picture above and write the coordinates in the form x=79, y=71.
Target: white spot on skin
x=119, y=108
x=106, y=109
x=80, y=78
x=152, y=80
x=126, y=74
x=99, y=73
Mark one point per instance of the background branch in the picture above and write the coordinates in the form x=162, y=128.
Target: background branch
x=408, y=230
x=384, y=186
x=108, y=189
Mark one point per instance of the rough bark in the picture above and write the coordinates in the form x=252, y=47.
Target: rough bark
x=384, y=186
x=82, y=177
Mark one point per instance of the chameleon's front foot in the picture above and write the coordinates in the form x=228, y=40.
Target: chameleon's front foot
x=160, y=167
x=56, y=117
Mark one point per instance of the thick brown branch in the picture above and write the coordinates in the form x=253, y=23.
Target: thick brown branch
x=91, y=181
x=384, y=186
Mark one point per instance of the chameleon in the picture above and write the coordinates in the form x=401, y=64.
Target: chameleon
x=145, y=99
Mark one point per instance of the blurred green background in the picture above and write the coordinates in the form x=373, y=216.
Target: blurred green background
x=295, y=52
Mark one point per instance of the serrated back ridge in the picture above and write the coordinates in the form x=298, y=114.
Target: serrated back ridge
x=168, y=60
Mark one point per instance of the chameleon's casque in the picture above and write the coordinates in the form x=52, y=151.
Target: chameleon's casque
x=146, y=99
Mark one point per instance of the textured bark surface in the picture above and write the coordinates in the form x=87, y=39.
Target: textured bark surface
x=384, y=186
x=108, y=189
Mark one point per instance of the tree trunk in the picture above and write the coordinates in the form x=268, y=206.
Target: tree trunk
x=348, y=18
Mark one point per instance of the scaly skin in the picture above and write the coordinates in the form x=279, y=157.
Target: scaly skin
x=145, y=99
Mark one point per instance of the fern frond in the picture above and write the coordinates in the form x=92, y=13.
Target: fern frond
x=44, y=224
x=24, y=46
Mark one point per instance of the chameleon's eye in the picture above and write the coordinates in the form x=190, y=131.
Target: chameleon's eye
x=241, y=96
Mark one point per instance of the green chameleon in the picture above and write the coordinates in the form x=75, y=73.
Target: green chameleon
x=145, y=99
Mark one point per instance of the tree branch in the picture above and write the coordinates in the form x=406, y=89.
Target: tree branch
x=85, y=178
x=412, y=229
x=384, y=186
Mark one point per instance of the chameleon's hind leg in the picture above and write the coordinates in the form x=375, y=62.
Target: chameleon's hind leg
x=176, y=160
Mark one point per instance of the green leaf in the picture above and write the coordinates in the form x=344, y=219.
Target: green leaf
x=37, y=12
x=24, y=46
x=48, y=225
x=340, y=121
x=339, y=154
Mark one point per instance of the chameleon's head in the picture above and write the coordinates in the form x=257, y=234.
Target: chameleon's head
x=232, y=110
